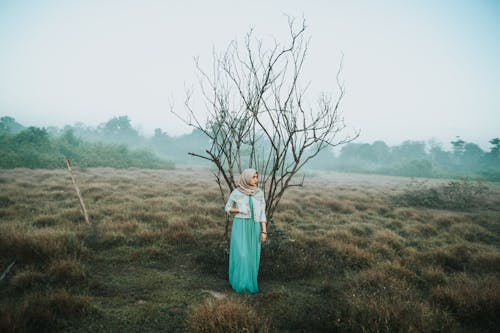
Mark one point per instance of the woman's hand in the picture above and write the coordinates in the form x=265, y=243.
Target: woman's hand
x=237, y=211
x=263, y=232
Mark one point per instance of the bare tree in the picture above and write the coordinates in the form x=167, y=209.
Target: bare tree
x=257, y=116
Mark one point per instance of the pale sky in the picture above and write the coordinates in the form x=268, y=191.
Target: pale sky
x=415, y=70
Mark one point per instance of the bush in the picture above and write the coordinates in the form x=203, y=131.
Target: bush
x=463, y=194
x=460, y=195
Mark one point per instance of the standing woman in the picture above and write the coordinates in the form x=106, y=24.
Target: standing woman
x=249, y=229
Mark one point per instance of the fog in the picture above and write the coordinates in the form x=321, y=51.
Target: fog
x=416, y=70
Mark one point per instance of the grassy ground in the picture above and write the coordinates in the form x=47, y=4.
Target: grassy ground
x=344, y=255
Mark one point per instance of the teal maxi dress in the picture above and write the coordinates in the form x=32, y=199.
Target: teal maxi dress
x=244, y=253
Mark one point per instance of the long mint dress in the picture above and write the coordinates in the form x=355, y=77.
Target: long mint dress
x=244, y=253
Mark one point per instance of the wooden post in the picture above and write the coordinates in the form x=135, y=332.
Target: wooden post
x=82, y=205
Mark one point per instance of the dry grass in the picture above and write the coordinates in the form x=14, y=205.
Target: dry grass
x=42, y=312
x=224, y=316
x=341, y=256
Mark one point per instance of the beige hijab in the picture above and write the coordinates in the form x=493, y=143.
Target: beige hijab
x=243, y=183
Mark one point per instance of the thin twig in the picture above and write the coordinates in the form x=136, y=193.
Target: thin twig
x=7, y=270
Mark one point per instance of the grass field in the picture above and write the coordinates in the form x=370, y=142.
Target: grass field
x=344, y=254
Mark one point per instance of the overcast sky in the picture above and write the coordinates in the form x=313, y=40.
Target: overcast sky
x=413, y=69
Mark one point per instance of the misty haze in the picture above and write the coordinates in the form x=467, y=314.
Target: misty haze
x=226, y=167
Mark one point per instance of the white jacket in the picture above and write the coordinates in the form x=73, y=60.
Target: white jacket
x=241, y=201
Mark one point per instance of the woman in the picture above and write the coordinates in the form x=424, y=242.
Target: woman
x=249, y=229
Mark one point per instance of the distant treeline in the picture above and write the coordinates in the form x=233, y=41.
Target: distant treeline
x=418, y=159
x=117, y=143
x=118, y=130
x=34, y=147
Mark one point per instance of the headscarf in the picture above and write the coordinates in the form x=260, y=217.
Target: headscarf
x=243, y=182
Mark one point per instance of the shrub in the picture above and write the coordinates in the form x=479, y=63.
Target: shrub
x=460, y=195
x=463, y=194
x=419, y=194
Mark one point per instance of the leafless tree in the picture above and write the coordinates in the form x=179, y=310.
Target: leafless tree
x=256, y=114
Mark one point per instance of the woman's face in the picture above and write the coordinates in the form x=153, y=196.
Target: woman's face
x=254, y=180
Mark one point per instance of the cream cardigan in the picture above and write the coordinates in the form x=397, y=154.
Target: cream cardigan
x=241, y=201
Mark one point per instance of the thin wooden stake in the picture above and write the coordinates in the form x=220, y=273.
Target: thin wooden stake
x=82, y=205
x=7, y=270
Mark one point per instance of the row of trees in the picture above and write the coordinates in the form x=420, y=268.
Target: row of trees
x=119, y=130
x=410, y=158
x=34, y=147
x=419, y=158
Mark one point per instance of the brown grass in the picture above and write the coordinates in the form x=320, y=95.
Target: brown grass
x=28, y=279
x=224, y=316
x=67, y=272
x=472, y=300
x=29, y=246
x=340, y=257
x=43, y=312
